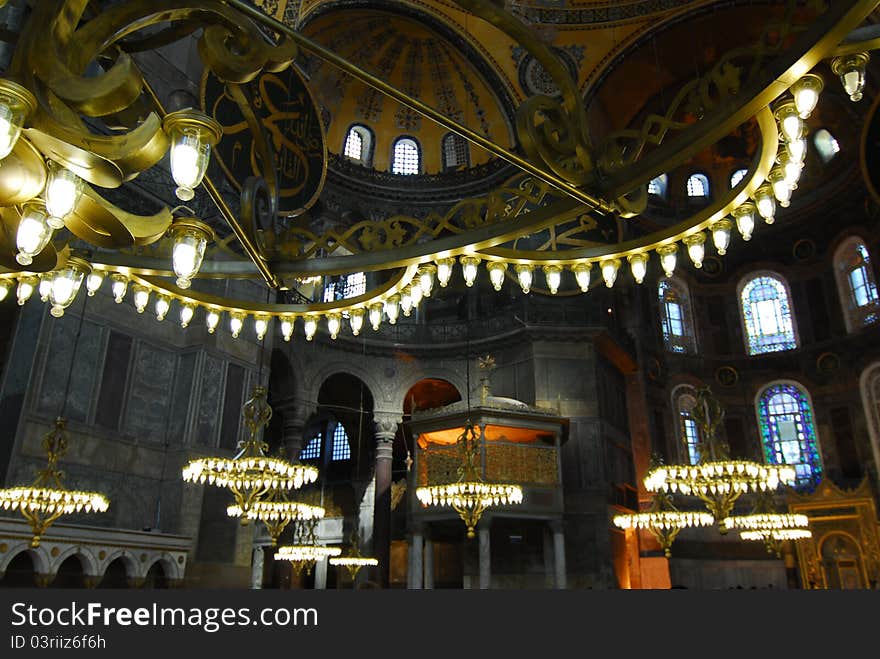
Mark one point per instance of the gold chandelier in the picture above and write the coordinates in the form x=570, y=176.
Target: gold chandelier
x=276, y=512
x=353, y=561
x=251, y=475
x=470, y=495
x=44, y=501
x=305, y=551
x=664, y=521
x=771, y=527
x=716, y=479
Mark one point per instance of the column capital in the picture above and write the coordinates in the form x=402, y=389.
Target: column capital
x=386, y=424
x=556, y=525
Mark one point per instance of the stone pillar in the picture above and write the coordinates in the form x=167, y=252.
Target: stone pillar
x=559, y=552
x=257, y=564
x=485, y=554
x=414, y=582
x=294, y=416
x=429, y=563
x=386, y=429
x=321, y=574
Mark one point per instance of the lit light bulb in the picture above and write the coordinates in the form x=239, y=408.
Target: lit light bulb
x=469, y=269
x=426, y=279
x=668, y=258
x=192, y=134
x=141, y=297
x=851, y=70
x=261, y=325
x=45, y=286
x=16, y=102
x=118, y=286
x=163, y=304
x=797, y=150
x=744, y=216
x=334, y=323
x=415, y=292
x=696, y=247
x=444, y=271
x=392, y=308
x=310, y=326
x=93, y=282
x=186, y=314
x=376, y=314
x=553, y=277
x=638, y=265
x=524, y=276
x=806, y=93
x=5, y=287
x=496, y=273
x=33, y=232
x=287, y=325
x=26, y=287
x=790, y=168
x=406, y=302
x=765, y=203
x=212, y=319
x=66, y=282
x=236, y=322
x=189, y=239
x=63, y=190
x=721, y=235
x=582, y=273
x=781, y=189
x=609, y=269
x=356, y=320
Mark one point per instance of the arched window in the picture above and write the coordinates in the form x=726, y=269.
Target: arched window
x=698, y=186
x=767, y=318
x=455, y=151
x=341, y=446
x=676, y=320
x=826, y=144
x=406, y=157
x=312, y=450
x=684, y=398
x=788, y=434
x=737, y=176
x=856, y=284
x=658, y=185
x=870, y=385
x=341, y=288
x=359, y=144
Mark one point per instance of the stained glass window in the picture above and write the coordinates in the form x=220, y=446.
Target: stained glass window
x=341, y=446
x=657, y=186
x=698, y=186
x=455, y=151
x=737, y=176
x=689, y=432
x=826, y=144
x=857, y=285
x=675, y=317
x=788, y=433
x=406, y=157
x=767, y=315
x=312, y=450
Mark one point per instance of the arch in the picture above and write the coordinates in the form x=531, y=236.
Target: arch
x=869, y=384
x=358, y=144
x=698, y=186
x=842, y=572
x=429, y=393
x=70, y=573
x=455, y=151
x=658, y=186
x=126, y=560
x=676, y=316
x=39, y=557
x=406, y=156
x=786, y=423
x=856, y=284
x=86, y=558
x=766, y=315
x=350, y=367
x=156, y=575
x=455, y=379
x=684, y=397
x=19, y=571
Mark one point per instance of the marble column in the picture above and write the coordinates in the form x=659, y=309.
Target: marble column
x=386, y=429
x=293, y=420
x=559, y=552
x=257, y=565
x=429, y=563
x=415, y=576
x=485, y=555
x=321, y=574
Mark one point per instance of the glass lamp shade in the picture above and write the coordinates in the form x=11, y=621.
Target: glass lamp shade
x=356, y=321
x=668, y=258
x=186, y=314
x=94, y=281
x=192, y=134
x=426, y=279
x=721, y=235
x=638, y=265
x=392, y=308
x=63, y=190
x=469, y=269
x=261, y=325
x=45, y=285
x=553, y=277
x=406, y=302
x=287, y=323
x=415, y=293
x=745, y=220
x=118, y=286
x=790, y=124
x=5, y=287
x=310, y=325
x=189, y=239
x=781, y=188
x=26, y=287
x=766, y=203
x=141, y=297
x=791, y=169
x=66, y=282
x=163, y=304
x=806, y=93
x=524, y=276
x=16, y=103
x=496, y=273
x=797, y=150
x=376, y=314
x=334, y=323
x=33, y=232
x=212, y=319
x=851, y=70
x=236, y=322
x=444, y=271
x=582, y=273
x=609, y=269
x=696, y=247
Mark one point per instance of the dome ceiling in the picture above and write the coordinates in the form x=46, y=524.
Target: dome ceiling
x=416, y=58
